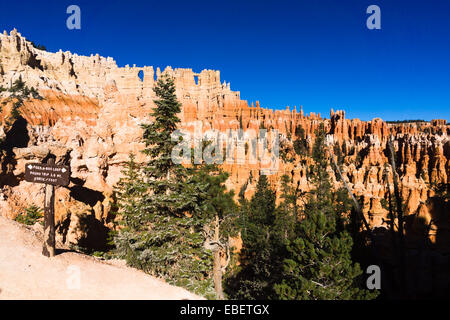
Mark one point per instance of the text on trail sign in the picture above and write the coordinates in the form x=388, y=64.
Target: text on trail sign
x=57, y=175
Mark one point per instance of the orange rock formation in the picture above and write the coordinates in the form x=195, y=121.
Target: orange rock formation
x=92, y=109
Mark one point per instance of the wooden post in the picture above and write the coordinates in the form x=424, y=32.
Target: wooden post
x=51, y=175
x=48, y=249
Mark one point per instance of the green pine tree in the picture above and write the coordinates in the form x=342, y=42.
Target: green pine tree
x=31, y=215
x=260, y=262
x=290, y=196
x=18, y=94
x=318, y=264
x=162, y=231
x=130, y=190
x=221, y=220
x=300, y=143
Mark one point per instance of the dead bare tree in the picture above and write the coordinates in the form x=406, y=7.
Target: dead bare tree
x=391, y=212
x=400, y=217
x=355, y=202
x=218, y=248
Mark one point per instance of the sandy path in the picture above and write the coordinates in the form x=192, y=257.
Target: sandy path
x=26, y=274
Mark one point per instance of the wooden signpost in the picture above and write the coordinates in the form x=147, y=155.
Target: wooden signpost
x=52, y=175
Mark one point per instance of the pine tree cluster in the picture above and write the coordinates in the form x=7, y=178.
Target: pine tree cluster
x=175, y=222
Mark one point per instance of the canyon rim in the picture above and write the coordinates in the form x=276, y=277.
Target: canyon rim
x=90, y=116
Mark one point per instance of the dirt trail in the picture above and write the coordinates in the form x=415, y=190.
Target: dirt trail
x=26, y=274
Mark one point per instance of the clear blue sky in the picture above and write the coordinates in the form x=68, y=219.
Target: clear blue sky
x=315, y=53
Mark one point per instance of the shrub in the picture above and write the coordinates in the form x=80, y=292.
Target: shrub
x=31, y=215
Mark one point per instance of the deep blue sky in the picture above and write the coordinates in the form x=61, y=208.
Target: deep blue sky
x=315, y=53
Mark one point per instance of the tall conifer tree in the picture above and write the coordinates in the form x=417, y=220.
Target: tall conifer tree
x=260, y=263
x=162, y=232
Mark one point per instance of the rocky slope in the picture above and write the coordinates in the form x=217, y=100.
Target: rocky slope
x=91, y=112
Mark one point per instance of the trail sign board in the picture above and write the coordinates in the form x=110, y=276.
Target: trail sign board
x=57, y=175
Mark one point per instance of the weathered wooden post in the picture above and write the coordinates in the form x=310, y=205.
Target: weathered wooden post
x=48, y=249
x=52, y=175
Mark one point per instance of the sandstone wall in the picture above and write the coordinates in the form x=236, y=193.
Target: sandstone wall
x=92, y=110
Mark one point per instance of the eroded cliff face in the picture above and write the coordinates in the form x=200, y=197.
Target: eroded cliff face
x=90, y=119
